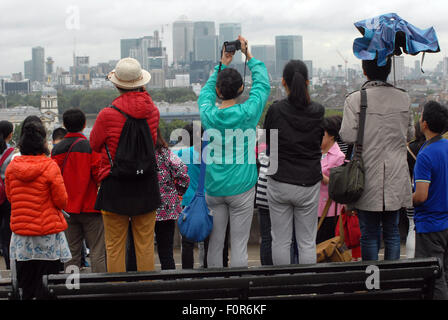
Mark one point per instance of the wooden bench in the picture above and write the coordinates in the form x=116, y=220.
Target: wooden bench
x=401, y=279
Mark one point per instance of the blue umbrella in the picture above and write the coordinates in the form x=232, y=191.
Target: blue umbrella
x=389, y=35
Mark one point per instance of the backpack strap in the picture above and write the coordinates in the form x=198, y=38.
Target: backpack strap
x=122, y=112
x=5, y=156
x=68, y=152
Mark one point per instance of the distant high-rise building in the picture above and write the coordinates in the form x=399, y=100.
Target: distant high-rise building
x=144, y=50
x=398, y=71
x=445, y=67
x=81, y=71
x=417, y=69
x=28, y=69
x=287, y=48
x=309, y=66
x=49, y=64
x=230, y=32
x=126, y=45
x=205, y=41
x=183, y=45
x=38, y=64
x=265, y=53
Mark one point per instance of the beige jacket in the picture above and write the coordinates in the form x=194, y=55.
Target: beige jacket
x=389, y=125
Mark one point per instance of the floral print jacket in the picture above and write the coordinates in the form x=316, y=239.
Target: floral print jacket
x=173, y=183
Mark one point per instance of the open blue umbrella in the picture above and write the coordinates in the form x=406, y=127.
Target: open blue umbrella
x=389, y=35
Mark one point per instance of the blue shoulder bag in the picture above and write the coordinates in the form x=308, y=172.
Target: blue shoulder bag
x=195, y=222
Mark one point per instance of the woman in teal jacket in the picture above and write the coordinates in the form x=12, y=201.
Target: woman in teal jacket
x=230, y=156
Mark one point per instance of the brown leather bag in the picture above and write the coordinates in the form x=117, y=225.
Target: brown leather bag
x=334, y=249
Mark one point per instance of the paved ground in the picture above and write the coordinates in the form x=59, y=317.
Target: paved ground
x=253, y=260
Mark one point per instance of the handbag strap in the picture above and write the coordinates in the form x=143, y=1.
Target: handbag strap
x=324, y=213
x=341, y=229
x=410, y=152
x=362, y=123
x=68, y=152
x=5, y=156
x=201, y=182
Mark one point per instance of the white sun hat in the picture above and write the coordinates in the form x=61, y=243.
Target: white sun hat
x=128, y=74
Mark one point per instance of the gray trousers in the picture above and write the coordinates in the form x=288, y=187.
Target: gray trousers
x=435, y=244
x=88, y=226
x=288, y=203
x=238, y=210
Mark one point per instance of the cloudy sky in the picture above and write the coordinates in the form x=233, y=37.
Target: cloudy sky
x=326, y=25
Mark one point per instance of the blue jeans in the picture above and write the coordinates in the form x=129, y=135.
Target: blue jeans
x=371, y=224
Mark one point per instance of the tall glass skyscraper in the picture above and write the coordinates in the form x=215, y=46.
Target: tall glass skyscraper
x=38, y=64
x=205, y=41
x=265, y=53
x=126, y=46
x=183, y=45
x=287, y=48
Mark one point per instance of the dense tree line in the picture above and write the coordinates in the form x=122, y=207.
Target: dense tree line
x=92, y=101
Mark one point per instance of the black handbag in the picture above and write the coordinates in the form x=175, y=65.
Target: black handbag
x=347, y=181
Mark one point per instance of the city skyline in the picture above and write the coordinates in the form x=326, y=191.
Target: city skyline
x=102, y=24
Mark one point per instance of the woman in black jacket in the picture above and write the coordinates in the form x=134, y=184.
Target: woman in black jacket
x=293, y=191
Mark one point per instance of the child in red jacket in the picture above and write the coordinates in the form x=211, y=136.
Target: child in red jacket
x=80, y=169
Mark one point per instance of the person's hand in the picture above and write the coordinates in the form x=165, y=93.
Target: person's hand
x=245, y=47
x=227, y=57
x=325, y=179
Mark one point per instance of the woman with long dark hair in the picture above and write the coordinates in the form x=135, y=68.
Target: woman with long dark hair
x=6, y=153
x=293, y=191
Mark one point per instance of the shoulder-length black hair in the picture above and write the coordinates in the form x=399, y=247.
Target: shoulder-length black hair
x=6, y=128
x=295, y=74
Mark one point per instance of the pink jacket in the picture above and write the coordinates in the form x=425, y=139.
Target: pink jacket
x=335, y=157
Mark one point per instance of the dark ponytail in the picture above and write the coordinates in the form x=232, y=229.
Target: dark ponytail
x=6, y=128
x=295, y=75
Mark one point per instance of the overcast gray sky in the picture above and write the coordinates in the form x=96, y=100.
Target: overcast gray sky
x=326, y=26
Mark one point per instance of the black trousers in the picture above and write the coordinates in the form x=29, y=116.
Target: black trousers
x=188, y=253
x=29, y=276
x=435, y=244
x=5, y=230
x=165, y=243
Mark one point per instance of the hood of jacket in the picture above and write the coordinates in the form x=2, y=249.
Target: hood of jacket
x=28, y=168
x=136, y=104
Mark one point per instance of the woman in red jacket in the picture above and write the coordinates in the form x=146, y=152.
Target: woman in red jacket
x=36, y=190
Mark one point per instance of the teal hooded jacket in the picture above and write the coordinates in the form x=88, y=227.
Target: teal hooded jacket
x=230, y=154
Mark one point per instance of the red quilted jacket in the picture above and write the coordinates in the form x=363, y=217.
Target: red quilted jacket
x=110, y=122
x=36, y=190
